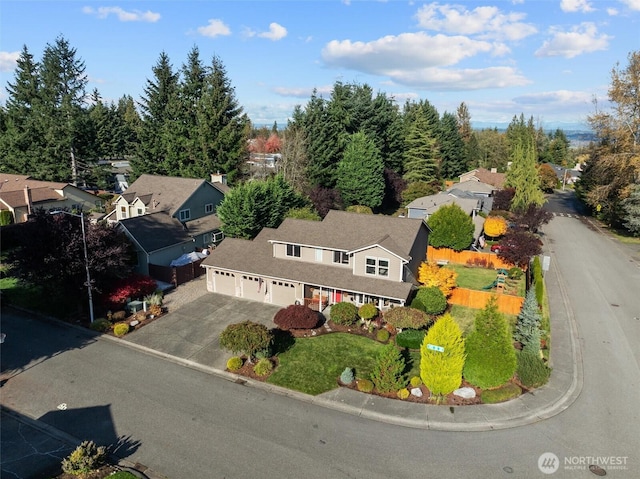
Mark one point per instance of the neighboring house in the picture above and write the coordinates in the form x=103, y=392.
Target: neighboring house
x=490, y=177
x=166, y=217
x=345, y=257
x=566, y=176
x=22, y=195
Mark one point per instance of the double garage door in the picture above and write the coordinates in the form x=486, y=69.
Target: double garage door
x=282, y=293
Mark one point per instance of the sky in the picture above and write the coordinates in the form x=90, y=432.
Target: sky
x=546, y=59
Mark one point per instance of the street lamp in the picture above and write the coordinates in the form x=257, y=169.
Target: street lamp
x=86, y=256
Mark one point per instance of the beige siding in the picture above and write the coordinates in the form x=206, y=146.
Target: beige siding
x=395, y=264
x=308, y=254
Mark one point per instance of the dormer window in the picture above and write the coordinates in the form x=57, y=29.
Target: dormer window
x=293, y=250
x=185, y=215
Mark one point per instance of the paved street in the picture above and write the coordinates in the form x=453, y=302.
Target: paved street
x=187, y=422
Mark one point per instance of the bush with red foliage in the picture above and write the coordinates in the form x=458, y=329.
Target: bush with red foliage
x=133, y=287
x=518, y=247
x=296, y=316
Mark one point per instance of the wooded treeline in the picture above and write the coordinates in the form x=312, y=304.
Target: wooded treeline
x=356, y=147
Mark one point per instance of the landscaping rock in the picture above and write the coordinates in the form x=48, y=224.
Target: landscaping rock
x=417, y=392
x=466, y=393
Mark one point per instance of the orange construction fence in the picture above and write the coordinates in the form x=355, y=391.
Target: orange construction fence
x=472, y=298
x=488, y=260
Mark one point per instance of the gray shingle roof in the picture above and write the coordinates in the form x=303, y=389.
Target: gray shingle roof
x=162, y=193
x=156, y=231
x=339, y=231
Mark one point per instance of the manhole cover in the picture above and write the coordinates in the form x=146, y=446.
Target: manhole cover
x=597, y=470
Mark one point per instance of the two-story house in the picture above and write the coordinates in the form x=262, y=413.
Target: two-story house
x=345, y=257
x=166, y=217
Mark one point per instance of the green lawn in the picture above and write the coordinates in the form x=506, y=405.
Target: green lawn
x=478, y=278
x=313, y=365
x=465, y=318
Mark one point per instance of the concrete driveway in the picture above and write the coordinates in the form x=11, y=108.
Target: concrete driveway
x=192, y=328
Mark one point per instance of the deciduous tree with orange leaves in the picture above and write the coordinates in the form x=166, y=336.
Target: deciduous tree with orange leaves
x=495, y=226
x=430, y=274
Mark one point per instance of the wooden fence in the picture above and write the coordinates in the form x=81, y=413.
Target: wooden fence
x=176, y=275
x=488, y=260
x=472, y=298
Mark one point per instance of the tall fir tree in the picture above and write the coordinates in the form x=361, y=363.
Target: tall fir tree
x=523, y=176
x=420, y=153
x=361, y=173
x=453, y=156
x=527, y=329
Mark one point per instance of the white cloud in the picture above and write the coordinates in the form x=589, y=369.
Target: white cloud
x=215, y=28
x=407, y=51
x=632, y=4
x=485, y=22
x=8, y=61
x=443, y=79
x=612, y=12
x=123, y=15
x=562, y=98
x=304, y=92
x=583, y=38
x=583, y=6
x=276, y=32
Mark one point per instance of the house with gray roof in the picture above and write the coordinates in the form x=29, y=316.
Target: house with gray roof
x=166, y=217
x=345, y=257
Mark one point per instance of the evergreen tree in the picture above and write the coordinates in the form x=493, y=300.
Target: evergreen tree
x=62, y=94
x=463, y=120
x=527, y=330
x=451, y=228
x=631, y=207
x=420, y=154
x=387, y=373
x=453, y=158
x=323, y=143
x=160, y=93
x=441, y=370
x=22, y=128
x=360, y=173
x=491, y=358
x=523, y=176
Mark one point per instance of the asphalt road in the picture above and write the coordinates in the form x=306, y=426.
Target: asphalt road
x=185, y=423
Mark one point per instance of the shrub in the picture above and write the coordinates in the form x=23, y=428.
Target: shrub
x=491, y=358
x=515, y=273
x=532, y=371
x=405, y=317
x=135, y=286
x=155, y=310
x=119, y=315
x=431, y=300
x=527, y=328
x=431, y=274
x=368, y=311
x=364, y=385
x=495, y=226
x=359, y=209
x=382, y=335
x=539, y=286
x=410, y=338
x=415, y=381
x=347, y=377
x=296, y=316
x=121, y=329
x=101, y=325
x=440, y=371
x=263, y=367
x=403, y=393
x=344, y=313
x=234, y=363
x=387, y=370
x=154, y=299
x=245, y=337
x=87, y=457
x=501, y=394
x=451, y=228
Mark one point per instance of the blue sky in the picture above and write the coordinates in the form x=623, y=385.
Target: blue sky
x=545, y=58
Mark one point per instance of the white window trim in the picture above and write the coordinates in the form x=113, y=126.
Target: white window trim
x=377, y=266
x=294, y=248
x=184, y=215
x=208, y=208
x=343, y=255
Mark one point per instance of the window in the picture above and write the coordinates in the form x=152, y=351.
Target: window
x=185, y=215
x=293, y=250
x=123, y=211
x=377, y=266
x=217, y=236
x=340, y=257
x=139, y=211
x=318, y=255
x=208, y=208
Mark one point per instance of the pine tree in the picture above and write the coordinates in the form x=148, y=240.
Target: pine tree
x=527, y=329
x=360, y=173
x=420, y=162
x=441, y=370
x=453, y=158
x=387, y=373
x=491, y=358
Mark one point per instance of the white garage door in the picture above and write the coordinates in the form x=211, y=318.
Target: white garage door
x=283, y=293
x=224, y=282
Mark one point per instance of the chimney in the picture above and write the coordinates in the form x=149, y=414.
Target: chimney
x=219, y=178
x=27, y=199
